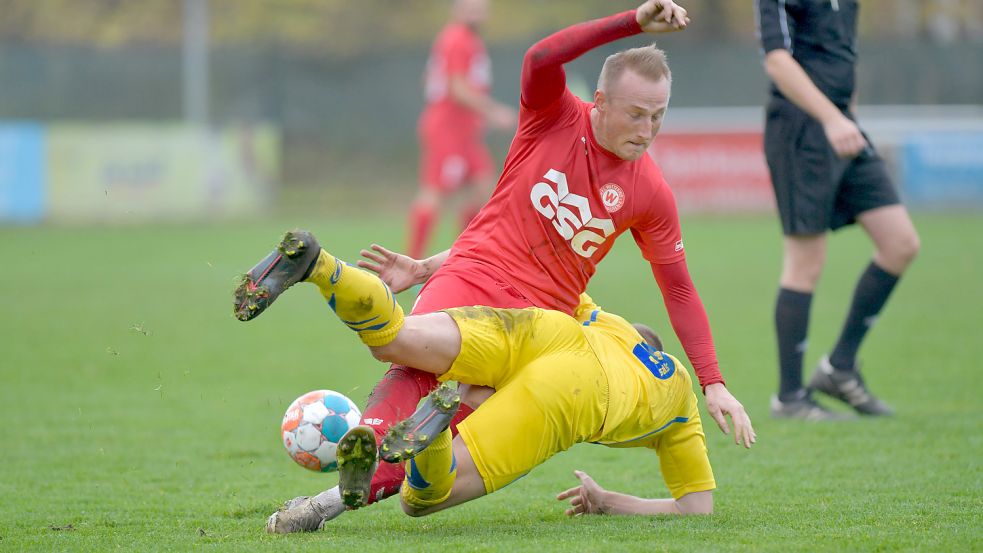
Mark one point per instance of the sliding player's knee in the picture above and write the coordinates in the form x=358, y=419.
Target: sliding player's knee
x=412, y=510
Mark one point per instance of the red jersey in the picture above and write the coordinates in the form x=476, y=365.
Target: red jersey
x=457, y=51
x=560, y=204
x=562, y=200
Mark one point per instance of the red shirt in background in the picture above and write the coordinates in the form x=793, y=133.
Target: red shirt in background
x=457, y=51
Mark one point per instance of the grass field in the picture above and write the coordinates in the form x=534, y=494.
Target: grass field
x=139, y=415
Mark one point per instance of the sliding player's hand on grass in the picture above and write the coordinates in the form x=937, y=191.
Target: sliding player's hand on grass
x=585, y=499
x=721, y=402
x=398, y=271
x=661, y=16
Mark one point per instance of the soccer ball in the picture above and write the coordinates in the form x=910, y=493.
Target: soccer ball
x=312, y=426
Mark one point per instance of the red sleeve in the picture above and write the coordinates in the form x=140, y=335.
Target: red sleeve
x=543, y=79
x=689, y=320
x=656, y=226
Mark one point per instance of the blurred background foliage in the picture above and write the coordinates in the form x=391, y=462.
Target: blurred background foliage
x=342, y=28
x=341, y=79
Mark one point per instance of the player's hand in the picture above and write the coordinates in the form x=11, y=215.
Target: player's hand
x=845, y=137
x=661, y=16
x=585, y=499
x=398, y=271
x=502, y=117
x=721, y=402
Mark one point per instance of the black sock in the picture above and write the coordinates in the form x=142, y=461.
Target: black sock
x=791, y=325
x=869, y=297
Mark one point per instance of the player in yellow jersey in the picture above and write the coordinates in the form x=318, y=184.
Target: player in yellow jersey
x=560, y=379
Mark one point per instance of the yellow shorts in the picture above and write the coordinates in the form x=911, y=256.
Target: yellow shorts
x=560, y=381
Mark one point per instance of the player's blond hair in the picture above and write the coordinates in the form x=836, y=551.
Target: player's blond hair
x=648, y=61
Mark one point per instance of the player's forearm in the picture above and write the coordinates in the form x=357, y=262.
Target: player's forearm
x=795, y=84
x=466, y=95
x=615, y=503
x=543, y=79
x=430, y=265
x=689, y=320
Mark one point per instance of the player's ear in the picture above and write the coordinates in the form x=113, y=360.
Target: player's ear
x=600, y=100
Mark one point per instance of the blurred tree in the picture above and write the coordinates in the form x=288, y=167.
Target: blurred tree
x=342, y=28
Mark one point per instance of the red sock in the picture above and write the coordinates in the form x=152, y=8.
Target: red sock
x=462, y=413
x=422, y=217
x=394, y=398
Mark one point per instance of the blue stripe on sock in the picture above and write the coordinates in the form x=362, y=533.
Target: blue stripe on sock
x=356, y=323
x=331, y=302
x=415, y=479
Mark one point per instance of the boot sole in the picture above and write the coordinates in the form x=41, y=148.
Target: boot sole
x=356, y=466
x=252, y=296
x=407, y=438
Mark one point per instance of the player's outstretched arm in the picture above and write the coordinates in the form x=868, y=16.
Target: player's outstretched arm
x=589, y=498
x=543, y=78
x=399, y=271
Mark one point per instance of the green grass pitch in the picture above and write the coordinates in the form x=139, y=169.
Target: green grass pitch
x=138, y=414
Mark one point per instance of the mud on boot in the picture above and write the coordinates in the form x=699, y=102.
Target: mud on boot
x=405, y=439
x=289, y=263
x=357, y=461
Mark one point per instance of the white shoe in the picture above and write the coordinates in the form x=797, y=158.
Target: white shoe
x=306, y=514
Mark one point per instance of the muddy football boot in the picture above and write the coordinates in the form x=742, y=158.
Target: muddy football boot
x=305, y=514
x=649, y=335
x=286, y=265
x=357, y=461
x=803, y=407
x=405, y=439
x=848, y=387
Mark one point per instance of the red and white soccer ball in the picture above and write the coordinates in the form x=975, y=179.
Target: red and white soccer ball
x=312, y=426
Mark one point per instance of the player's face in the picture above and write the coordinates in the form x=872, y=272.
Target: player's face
x=630, y=113
x=471, y=12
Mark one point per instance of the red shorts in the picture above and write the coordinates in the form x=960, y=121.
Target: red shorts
x=466, y=284
x=447, y=162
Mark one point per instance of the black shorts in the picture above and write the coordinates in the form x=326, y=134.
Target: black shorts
x=815, y=190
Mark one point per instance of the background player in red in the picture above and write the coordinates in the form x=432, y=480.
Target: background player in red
x=451, y=127
x=576, y=177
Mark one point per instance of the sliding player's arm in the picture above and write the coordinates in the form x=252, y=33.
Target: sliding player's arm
x=589, y=498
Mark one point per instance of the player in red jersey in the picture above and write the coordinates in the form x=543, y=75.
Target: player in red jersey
x=451, y=127
x=576, y=177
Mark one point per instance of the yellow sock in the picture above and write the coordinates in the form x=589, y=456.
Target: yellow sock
x=430, y=475
x=359, y=298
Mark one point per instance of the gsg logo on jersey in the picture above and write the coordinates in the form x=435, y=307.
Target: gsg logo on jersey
x=570, y=214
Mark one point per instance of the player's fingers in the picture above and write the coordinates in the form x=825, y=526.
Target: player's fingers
x=372, y=256
x=369, y=266
x=718, y=416
x=567, y=493
x=380, y=249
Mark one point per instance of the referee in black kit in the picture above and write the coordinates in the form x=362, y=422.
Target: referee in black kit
x=826, y=175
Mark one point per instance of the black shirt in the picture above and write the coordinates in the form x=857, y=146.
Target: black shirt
x=820, y=34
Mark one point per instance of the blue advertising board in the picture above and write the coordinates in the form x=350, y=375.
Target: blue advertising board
x=21, y=172
x=943, y=169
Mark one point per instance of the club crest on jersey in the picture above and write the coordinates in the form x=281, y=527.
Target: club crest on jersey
x=612, y=196
x=657, y=362
x=570, y=214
